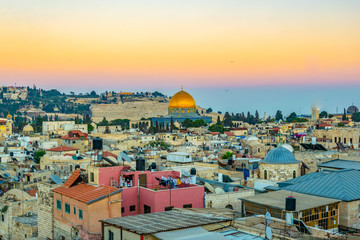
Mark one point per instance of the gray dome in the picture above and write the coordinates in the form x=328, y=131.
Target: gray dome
x=352, y=109
x=280, y=155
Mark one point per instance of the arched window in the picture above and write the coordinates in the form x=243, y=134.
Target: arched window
x=229, y=206
x=177, y=111
x=182, y=111
x=294, y=174
x=265, y=174
x=188, y=111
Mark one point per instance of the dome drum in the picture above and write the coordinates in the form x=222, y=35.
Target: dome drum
x=280, y=155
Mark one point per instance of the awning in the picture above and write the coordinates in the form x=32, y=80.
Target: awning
x=196, y=233
x=28, y=174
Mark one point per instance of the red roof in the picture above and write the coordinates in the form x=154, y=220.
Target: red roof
x=345, y=121
x=84, y=192
x=62, y=149
x=32, y=192
x=109, y=154
x=214, y=133
x=75, y=135
x=325, y=125
x=72, y=179
x=2, y=121
x=229, y=133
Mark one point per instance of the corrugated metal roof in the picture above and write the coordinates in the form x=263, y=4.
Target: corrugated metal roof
x=196, y=233
x=280, y=155
x=162, y=221
x=342, y=184
x=341, y=164
x=237, y=235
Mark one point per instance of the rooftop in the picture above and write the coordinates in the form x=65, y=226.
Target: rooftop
x=31, y=220
x=162, y=221
x=341, y=164
x=87, y=193
x=62, y=149
x=277, y=199
x=342, y=184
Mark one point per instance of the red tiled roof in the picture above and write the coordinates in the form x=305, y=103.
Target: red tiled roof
x=345, y=121
x=229, y=134
x=109, y=154
x=214, y=133
x=62, y=149
x=325, y=125
x=32, y=192
x=84, y=192
x=72, y=179
x=70, y=138
x=2, y=121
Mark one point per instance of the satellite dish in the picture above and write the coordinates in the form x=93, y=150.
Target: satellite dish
x=124, y=156
x=15, y=179
x=219, y=190
x=268, y=216
x=7, y=175
x=268, y=232
x=186, y=173
x=56, y=179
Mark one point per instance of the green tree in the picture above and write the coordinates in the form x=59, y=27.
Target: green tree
x=278, y=115
x=291, y=117
x=38, y=155
x=228, y=120
x=344, y=118
x=90, y=127
x=356, y=117
x=217, y=128
x=227, y=155
x=323, y=114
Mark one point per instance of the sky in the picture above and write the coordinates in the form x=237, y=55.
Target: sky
x=205, y=45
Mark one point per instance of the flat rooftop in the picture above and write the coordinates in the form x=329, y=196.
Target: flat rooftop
x=162, y=221
x=276, y=199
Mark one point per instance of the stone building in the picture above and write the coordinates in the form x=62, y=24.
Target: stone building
x=6, y=126
x=15, y=203
x=279, y=165
x=345, y=135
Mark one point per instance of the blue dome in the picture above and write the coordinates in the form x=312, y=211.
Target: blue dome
x=280, y=155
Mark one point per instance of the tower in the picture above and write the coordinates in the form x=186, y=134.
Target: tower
x=9, y=123
x=314, y=114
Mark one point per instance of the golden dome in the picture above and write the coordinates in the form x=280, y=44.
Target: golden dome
x=28, y=128
x=182, y=100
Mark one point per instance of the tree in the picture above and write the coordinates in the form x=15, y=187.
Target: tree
x=217, y=128
x=38, y=155
x=218, y=121
x=291, y=117
x=104, y=122
x=227, y=155
x=228, y=120
x=278, y=115
x=257, y=115
x=107, y=129
x=356, y=117
x=93, y=94
x=323, y=114
x=90, y=127
x=209, y=110
x=344, y=118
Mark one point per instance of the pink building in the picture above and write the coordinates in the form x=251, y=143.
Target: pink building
x=147, y=195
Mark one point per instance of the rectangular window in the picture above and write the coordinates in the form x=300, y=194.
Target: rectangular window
x=92, y=177
x=111, y=235
x=122, y=210
x=169, y=208
x=74, y=210
x=67, y=208
x=187, y=206
x=80, y=214
x=132, y=208
x=58, y=204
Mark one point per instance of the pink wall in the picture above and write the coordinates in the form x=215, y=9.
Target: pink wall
x=129, y=198
x=106, y=172
x=150, y=176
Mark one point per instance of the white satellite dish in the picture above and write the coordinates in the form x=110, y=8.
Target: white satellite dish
x=125, y=157
x=268, y=216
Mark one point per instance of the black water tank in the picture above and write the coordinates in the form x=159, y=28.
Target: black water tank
x=193, y=171
x=11, y=154
x=153, y=165
x=97, y=143
x=290, y=204
x=77, y=166
x=230, y=161
x=140, y=164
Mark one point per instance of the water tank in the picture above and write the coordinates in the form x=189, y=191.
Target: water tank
x=193, y=171
x=97, y=143
x=140, y=164
x=290, y=203
x=230, y=161
x=11, y=154
x=153, y=165
x=77, y=166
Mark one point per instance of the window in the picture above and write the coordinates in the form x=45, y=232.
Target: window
x=58, y=204
x=92, y=177
x=169, y=208
x=80, y=214
x=265, y=174
x=345, y=140
x=294, y=174
x=111, y=235
x=132, y=208
x=229, y=207
x=74, y=210
x=335, y=139
x=187, y=206
x=147, y=209
x=122, y=210
x=67, y=208
x=2, y=217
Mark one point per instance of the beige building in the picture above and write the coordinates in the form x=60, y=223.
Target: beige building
x=279, y=165
x=62, y=127
x=346, y=135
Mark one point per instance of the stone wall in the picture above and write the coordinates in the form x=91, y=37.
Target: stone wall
x=24, y=231
x=350, y=214
x=62, y=230
x=343, y=134
x=129, y=110
x=45, y=210
x=279, y=172
x=228, y=199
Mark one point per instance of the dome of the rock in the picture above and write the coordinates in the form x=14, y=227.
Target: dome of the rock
x=182, y=99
